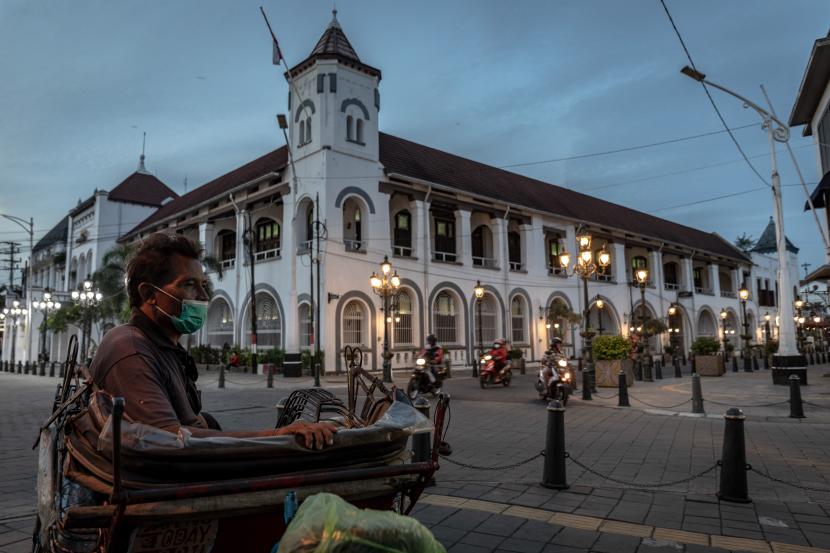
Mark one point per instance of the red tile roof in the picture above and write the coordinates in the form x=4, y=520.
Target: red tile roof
x=271, y=162
x=142, y=188
x=422, y=162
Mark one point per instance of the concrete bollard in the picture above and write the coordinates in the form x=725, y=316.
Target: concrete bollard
x=280, y=406
x=586, y=386
x=677, y=372
x=766, y=361
x=421, y=443
x=62, y=369
x=734, y=364
x=694, y=364
x=27, y=367
x=796, y=406
x=52, y=369
x=554, y=475
x=747, y=363
x=622, y=391
x=270, y=381
x=221, y=376
x=658, y=369
x=697, y=394
x=638, y=369
x=754, y=362
x=733, y=486
x=5, y=366
x=43, y=368
x=20, y=367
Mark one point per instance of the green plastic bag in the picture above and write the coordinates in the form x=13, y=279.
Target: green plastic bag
x=325, y=523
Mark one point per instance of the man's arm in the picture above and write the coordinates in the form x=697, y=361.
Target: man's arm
x=313, y=435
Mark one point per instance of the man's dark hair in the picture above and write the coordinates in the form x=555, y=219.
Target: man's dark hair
x=151, y=262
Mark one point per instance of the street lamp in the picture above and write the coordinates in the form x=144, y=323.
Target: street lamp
x=586, y=265
x=767, y=319
x=642, y=281
x=14, y=313
x=45, y=305
x=478, y=292
x=723, y=316
x=88, y=299
x=743, y=295
x=777, y=131
x=673, y=332
x=387, y=285
x=600, y=304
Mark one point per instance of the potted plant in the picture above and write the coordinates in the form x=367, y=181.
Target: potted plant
x=611, y=355
x=707, y=360
x=271, y=360
x=517, y=360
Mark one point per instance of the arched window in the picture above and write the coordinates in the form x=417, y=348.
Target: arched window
x=306, y=326
x=349, y=128
x=308, y=130
x=268, y=322
x=402, y=321
x=268, y=239
x=352, y=225
x=354, y=324
x=301, y=141
x=306, y=232
x=226, y=247
x=402, y=239
x=219, y=324
x=486, y=320
x=359, y=131
x=518, y=321
x=446, y=319
x=638, y=262
x=514, y=250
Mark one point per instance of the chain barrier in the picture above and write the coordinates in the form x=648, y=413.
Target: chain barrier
x=659, y=406
x=244, y=383
x=768, y=476
x=641, y=484
x=744, y=406
x=816, y=405
x=502, y=467
x=605, y=397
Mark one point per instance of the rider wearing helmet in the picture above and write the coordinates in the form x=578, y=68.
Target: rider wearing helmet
x=434, y=355
x=499, y=353
x=553, y=353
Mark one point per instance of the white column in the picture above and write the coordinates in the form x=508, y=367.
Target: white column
x=420, y=230
x=714, y=278
x=463, y=240
x=618, y=263
x=533, y=245
x=687, y=267
x=499, y=228
x=289, y=248
x=735, y=275
x=656, y=269
x=206, y=237
x=239, y=294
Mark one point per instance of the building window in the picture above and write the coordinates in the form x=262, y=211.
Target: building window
x=354, y=324
x=220, y=324
x=446, y=319
x=268, y=322
x=306, y=326
x=308, y=130
x=268, y=239
x=402, y=321
x=359, y=130
x=482, y=247
x=302, y=134
x=670, y=273
x=444, y=240
x=352, y=225
x=402, y=244
x=638, y=262
x=349, y=128
x=697, y=274
x=514, y=250
x=226, y=242
x=552, y=250
x=486, y=318
x=518, y=323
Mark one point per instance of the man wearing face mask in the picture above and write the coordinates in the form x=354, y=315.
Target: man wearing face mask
x=142, y=360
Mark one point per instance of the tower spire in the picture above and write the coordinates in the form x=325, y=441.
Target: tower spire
x=141, y=168
x=334, y=23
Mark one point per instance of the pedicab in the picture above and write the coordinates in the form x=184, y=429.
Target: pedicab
x=108, y=483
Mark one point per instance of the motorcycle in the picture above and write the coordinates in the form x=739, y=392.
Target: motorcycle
x=559, y=384
x=489, y=376
x=419, y=382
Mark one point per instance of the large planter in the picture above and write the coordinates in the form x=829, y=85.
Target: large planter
x=709, y=365
x=607, y=372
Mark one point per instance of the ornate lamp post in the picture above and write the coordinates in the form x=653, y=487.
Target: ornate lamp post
x=600, y=304
x=14, y=313
x=478, y=293
x=88, y=299
x=767, y=318
x=743, y=294
x=586, y=265
x=799, y=319
x=674, y=332
x=642, y=281
x=723, y=316
x=387, y=285
x=45, y=305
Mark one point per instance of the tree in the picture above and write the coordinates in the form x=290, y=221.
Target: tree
x=110, y=281
x=745, y=242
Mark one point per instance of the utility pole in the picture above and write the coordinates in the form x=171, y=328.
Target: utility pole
x=11, y=249
x=252, y=242
x=316, y=302
x=806, y=267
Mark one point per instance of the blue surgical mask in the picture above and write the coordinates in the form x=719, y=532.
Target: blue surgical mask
x=192, y=317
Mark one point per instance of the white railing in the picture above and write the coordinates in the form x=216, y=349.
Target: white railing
x=448, y=257
x=487, y=262
x=228, y=263
x=600, y=277
x=557, y=271
x=352, y=245
x=727, y=294
x=702, y=290
x=671, y=286
x=402, y=251
x=267, y=254
x=516, y=265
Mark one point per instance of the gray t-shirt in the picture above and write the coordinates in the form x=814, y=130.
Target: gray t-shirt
x=155, y=377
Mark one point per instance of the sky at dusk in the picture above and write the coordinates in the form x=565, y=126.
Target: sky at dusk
x=503, y=83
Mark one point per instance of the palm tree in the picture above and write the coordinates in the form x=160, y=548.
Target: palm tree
x=111, y=283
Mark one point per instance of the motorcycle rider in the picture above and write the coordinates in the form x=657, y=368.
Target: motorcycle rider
x=434, y=355
x=551, y=356
x=499, y=353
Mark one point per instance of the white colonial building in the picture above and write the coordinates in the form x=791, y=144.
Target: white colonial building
x=445, y=222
